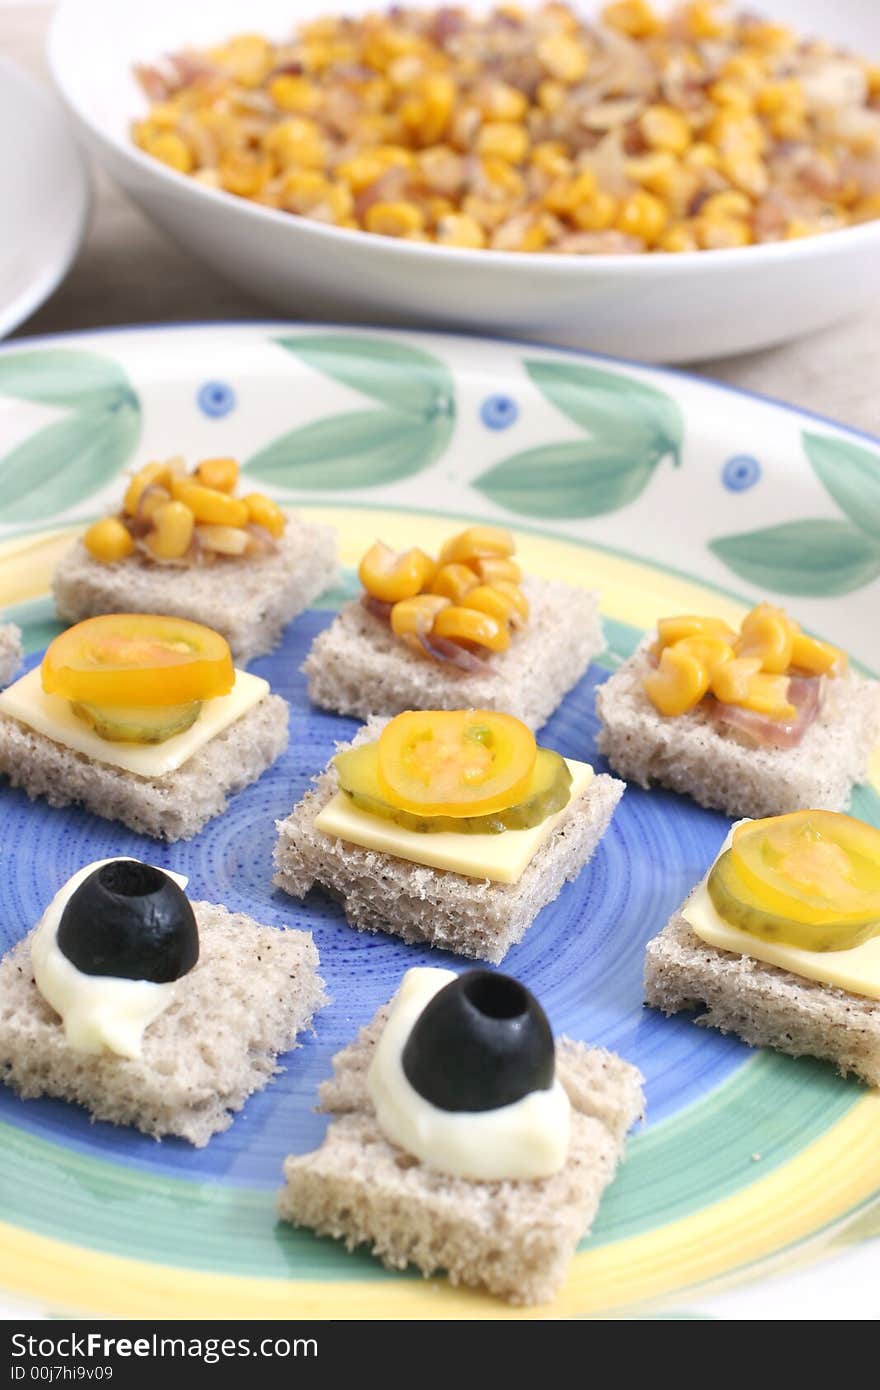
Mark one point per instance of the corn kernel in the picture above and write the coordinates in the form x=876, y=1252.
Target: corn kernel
x=597, y=214
x=414, y=617
x=747, y=68
x=550, y=95
x=678, y=629
x=519, y=604
x=701, y=21
x=702, y=155
x=775, y=97
x=563, y=57
x=223, y=540
x=564, y=195
x=747, y=172
x=244, y=173
x=486, y=599
x=550, y=157
x=665, y=128
x=453, y=581
x=501, y=102
x=208, y=504
x=767, y=633
x=298, y=141
x=680, y=237
x=151, y=475
x=247, y=58
x=108, y=540
x=173, y=526
x=262, y=511
x=220, y=474
x=292, y=93
x=722, y=233
x=740, y=683
x=394, y=219
x=503, y=140
x=457, y=229
x=678, y=684
x=492, y=568
x=390, y=577
x=731, y=680
x=710, y=651
x=469, y=625
x=771, y=37
x=724, y=205
x=475, y=543
x=642, y=215
x=633, y=17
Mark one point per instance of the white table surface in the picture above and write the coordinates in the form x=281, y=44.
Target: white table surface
x=128, y=272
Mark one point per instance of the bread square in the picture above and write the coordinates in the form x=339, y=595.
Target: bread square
x=473, y=917
x=357, y=666
x=175, y=806
x=691, y=755
x=10, y=651
x=249, y=601
x=762, y=1004
x=253, y=990
x=513, y=1238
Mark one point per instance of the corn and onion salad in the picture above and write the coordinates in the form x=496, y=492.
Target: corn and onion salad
x=533, y=130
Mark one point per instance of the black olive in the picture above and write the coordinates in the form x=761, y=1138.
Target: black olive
x=131, y=920
x=483, y=1041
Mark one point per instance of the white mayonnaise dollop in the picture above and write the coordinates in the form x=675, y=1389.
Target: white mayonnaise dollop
x=99, y=1012
x=528, y=1139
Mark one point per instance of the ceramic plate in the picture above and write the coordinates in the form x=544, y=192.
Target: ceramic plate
x=751, y=1189
x=44, y=188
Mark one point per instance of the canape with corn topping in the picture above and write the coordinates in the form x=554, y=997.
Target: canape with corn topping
x=194, y=543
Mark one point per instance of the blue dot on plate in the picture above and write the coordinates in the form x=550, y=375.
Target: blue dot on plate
x=498, y=412
x=740, y=472
x=216, y=399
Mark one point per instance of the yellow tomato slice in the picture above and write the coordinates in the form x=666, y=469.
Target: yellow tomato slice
x=455, y=762
x=814, y=867
x=138, y=659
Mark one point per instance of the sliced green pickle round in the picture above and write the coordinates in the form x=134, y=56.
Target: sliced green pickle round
x=138, y=723
x=735, y=901
x=549, y=791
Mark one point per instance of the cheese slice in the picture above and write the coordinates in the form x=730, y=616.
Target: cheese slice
x=502, y=858
x=856, y=970
x=52, y=716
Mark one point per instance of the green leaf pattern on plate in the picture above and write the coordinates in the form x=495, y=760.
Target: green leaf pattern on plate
x=811, y=559
x=821, y=557
x=631, y=428
x=365, y=448
x=851, y=475
x=65, y=462
x=580, y=478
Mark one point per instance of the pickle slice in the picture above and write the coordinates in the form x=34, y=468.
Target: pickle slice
x=548, y=791
x=138, y=723
x=735, y=901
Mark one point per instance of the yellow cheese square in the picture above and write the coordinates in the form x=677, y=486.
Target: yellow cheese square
x=502, y=858
x=856, y=970
x=52, y=716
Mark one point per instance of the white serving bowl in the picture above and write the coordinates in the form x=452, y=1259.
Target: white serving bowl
x=660, y=307
x=45, y=192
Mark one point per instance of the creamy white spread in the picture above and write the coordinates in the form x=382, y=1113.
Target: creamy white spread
x=528, y=1139
x=99, y=1012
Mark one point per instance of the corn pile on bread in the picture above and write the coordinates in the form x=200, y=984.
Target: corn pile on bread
x=249, y=601
x=512, y=1238
x=253, y=990
x=10, y=651
x=689, y=754
x=472, y=917
x=762, y=1004
x=357, y=666
x=173, y=807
